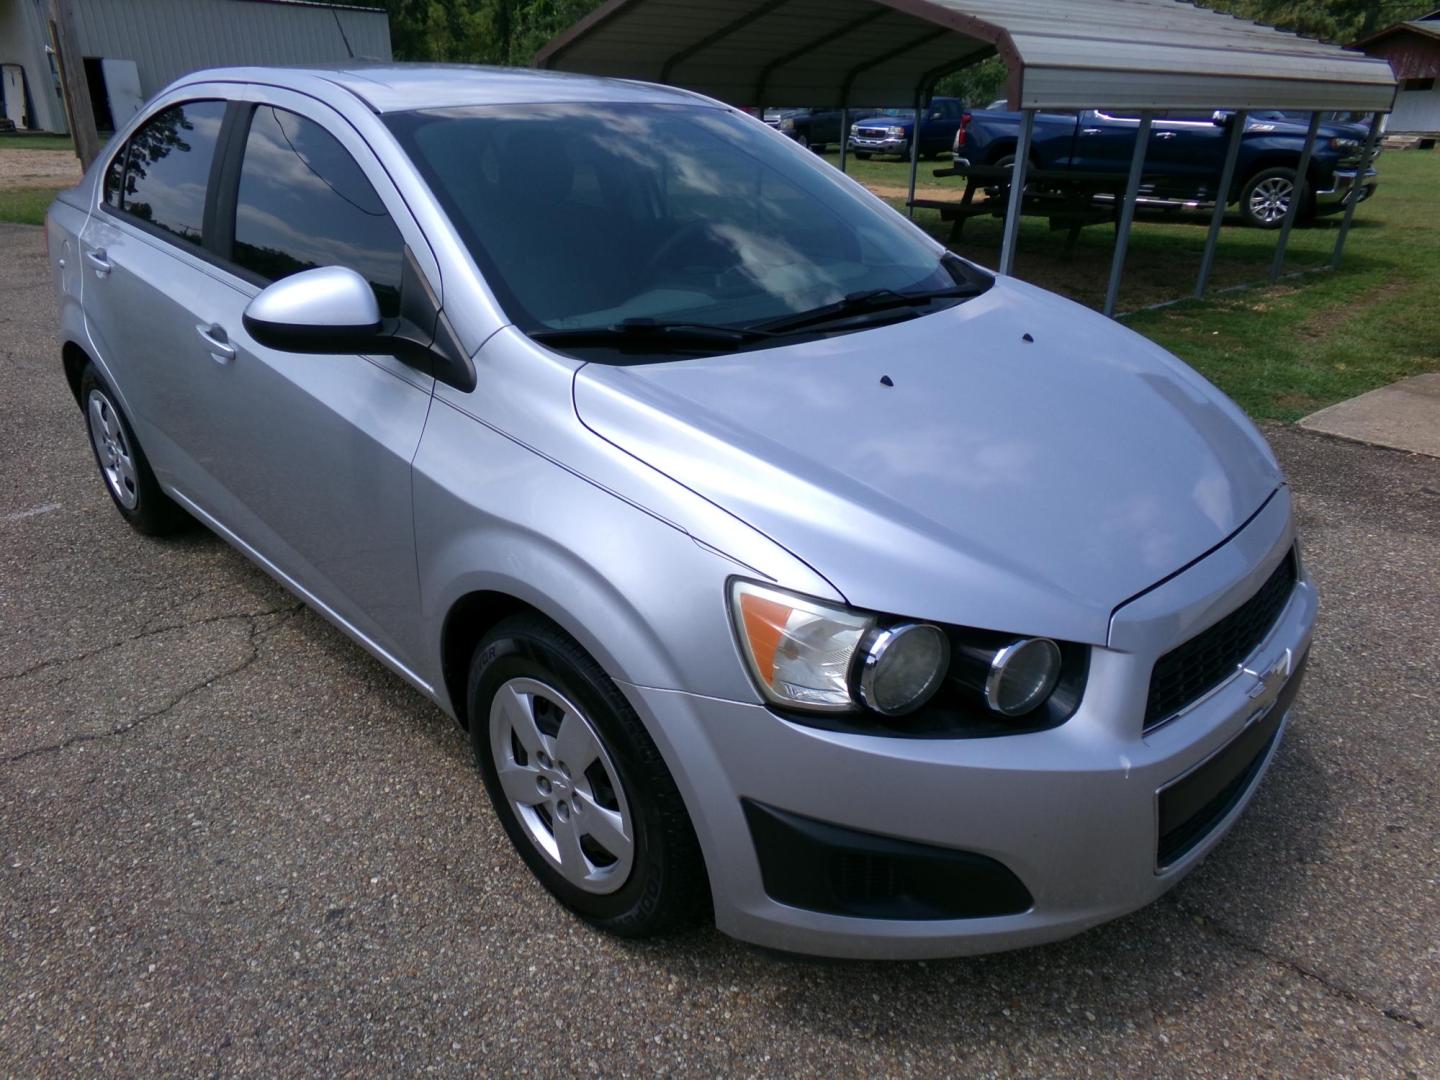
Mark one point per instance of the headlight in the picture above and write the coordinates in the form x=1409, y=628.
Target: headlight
x=808, y=655
x=799, y=650
x=903, y=667
x=1022, y=675
x=1344, y=144
x=897, y=132
x=1013, y=679
x=787, y=125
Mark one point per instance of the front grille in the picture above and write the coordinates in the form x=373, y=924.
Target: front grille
x=1208, y=659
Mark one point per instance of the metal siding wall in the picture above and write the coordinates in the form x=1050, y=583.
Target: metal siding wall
x=170, y=38
x=23, y=37
x=1417, y=112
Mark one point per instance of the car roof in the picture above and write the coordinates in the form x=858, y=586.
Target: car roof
x=397, y=87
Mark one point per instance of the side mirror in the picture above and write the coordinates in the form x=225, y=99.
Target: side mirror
x=1221, y=118
x=329, y=310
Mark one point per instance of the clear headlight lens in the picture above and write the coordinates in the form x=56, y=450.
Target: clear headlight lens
x=787, y=125
x=903, y=668
x=799, y=650
x=897, y=133
x=1022, y=675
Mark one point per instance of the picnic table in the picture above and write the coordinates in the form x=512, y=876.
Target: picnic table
x=1067, y=197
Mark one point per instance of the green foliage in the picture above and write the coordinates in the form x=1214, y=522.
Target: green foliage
x=511, y=31
x=1342, y=21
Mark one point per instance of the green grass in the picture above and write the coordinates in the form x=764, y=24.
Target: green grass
x=25, y=206
x=1281, y=351
x=36, y=142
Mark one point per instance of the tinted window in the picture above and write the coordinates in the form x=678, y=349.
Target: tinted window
x=305, y=203
x=168, y=168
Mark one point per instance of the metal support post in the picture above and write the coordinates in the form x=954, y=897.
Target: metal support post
x=914, y=158
x=1017, y=192
x=1222, y=200
x=1367, y=158
x=1127, y=212
x=1297, y=197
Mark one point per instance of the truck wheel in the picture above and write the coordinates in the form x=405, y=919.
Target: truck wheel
x=862, y=155
x=1000, y=191
x=1265, y=199
x=579, y=785
x=803, y=140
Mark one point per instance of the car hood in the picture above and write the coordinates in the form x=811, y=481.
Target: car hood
x=1029, y=487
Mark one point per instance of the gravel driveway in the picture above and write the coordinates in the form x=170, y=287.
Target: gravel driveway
x=232, y=843
x=37, y=168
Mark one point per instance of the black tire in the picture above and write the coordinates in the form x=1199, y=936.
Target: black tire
x=862, y=155
x=1000, y=191
x=153, y=513
x=666, y=888
x=803, y=140
x=1260, y=212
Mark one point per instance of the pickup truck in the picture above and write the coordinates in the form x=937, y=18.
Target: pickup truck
x=814, y=129
x=1186, y=156
x=889, y=131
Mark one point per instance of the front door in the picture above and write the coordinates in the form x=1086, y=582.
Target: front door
x=314, y=452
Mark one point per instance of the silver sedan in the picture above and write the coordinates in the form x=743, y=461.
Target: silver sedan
x=780, y=563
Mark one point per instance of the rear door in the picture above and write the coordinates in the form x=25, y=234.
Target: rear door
x=314, y=452
x=146, y=268
x=1187, y=151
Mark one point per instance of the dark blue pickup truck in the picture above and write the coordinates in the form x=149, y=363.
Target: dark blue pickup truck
x=1186, y=156
x=890, y=131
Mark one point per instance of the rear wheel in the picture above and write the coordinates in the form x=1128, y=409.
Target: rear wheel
x=123, y=466
x=578, y=783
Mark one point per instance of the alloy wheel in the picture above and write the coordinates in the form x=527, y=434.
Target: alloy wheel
x=112, y=449
x=1270, y=199
x=562, y=785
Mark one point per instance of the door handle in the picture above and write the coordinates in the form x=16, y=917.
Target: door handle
x=99, y=262
x=218, y=342
x=1090, y=131
x=1164, y=134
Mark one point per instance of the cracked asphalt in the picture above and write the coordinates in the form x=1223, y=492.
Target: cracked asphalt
x=232, y=843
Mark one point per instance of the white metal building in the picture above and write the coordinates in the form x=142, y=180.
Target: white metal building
x=1413, y=49
x=132, y=48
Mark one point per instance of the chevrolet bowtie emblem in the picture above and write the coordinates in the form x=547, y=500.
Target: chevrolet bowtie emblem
x=1270, y=679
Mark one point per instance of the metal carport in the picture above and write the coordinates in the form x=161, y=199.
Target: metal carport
x=1143, y=55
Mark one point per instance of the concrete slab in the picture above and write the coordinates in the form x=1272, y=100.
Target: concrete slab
x=1402, y=416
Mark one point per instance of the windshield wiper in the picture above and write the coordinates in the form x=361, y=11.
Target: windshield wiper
x=645, y=333
x=863, y=303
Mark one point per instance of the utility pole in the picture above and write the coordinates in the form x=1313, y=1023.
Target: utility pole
x=73, y=84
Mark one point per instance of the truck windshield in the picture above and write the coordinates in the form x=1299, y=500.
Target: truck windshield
x=589, y=216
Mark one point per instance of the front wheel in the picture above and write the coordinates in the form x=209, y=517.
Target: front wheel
x=1266, y=198
x=862, y=155
x=578, y=783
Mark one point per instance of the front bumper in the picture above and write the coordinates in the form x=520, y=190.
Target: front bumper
x=889, y=144
x=1347, y=185
x=1073, y=812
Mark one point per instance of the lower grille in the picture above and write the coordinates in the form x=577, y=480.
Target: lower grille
x=1191, y=670
x=1192, y=806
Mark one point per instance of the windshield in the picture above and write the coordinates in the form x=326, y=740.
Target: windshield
x=585, y=216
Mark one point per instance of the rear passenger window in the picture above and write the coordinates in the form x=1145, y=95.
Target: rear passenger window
x=304, y=202
x=167, y=169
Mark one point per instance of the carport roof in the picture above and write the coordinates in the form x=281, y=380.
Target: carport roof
x=1062, y=54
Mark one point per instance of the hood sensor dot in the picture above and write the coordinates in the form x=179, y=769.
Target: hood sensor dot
x=885, y=380
x=1028, y=337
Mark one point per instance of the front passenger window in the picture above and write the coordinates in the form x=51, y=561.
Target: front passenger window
x=304, y=202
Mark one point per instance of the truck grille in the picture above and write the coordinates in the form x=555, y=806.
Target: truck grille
x=1205, y=661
